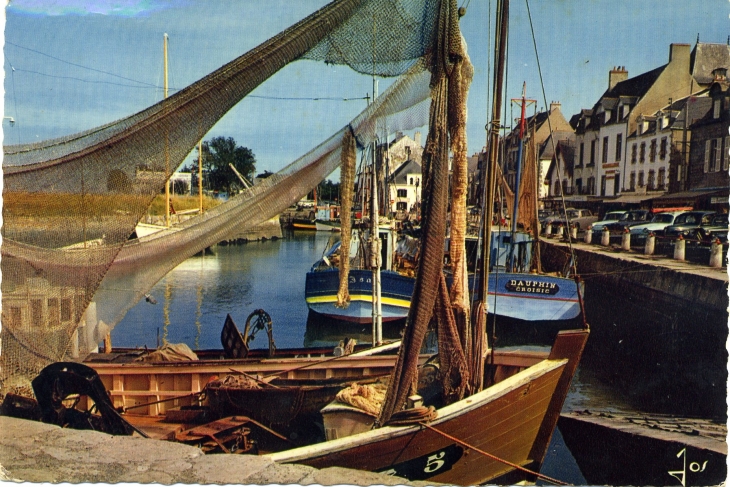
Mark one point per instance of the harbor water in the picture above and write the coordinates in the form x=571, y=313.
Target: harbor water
x=192, y=302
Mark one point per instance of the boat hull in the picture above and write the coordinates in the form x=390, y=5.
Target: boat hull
x=533, y=297
x=321, y=294
x=327, y=225
x=512, y=420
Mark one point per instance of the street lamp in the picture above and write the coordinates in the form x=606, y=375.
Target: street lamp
x=11, y=120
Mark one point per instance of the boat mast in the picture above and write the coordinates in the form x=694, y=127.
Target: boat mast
x=518, y=169
x=167, y=151
x=502, y=19
x=375, y=244
x=200, y=175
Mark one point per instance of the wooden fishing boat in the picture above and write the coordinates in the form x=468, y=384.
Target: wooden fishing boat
x=511, y=422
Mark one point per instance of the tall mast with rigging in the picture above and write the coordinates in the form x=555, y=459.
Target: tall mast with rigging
x=500, y=48
x=167, y=150
x=375, y=244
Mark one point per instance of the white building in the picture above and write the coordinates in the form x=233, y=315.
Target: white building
x=404, y=188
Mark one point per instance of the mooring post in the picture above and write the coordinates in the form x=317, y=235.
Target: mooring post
x=716, y=254
x=574, y=232
x=605, y=237
x=548, y=229
x=626, y=240
x=588, y=236
x=679, y=248
x=649, y=244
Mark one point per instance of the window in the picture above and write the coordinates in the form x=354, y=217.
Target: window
x=716, y=108
x=591, y=189
x=641, y=179
x=632, y=181
x=619, y=141
x=652, y=151
x=579, y=186
x=580, y=155
x=650, y=180
x=616, y=183
x=633, y=153
x=661, y=183
x=36, y=312
x=711, y=156
x=411, y=182
x=726, y=154
x=565, y=187
x=642, y=153
x=66, y=309
x=54, y=312
x=603, y=185
x=402, y=193
x=604, y=153
x=401, y=206
x=557, y=188
x=16, y=317
x=663, y=149
x=593, y=152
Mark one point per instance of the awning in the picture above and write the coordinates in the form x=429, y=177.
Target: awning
x=688, y=198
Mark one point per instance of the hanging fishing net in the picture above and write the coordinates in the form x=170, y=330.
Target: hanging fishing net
x=70, y=204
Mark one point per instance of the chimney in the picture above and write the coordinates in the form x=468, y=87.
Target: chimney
x=554, y=105
x=417, y=136
x=617, y=75
x=679, y=53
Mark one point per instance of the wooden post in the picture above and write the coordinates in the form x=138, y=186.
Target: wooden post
x=716, y=254
x=626, y=240
x=605, y=237
x=108, y=343
x=679, y=248
x=649, y=244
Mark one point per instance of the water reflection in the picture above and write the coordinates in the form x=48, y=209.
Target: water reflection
x=321, y=331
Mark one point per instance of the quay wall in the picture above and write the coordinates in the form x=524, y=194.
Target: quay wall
x=659, y=327
x=268, y=230
x=31, y=451
x=654, y=279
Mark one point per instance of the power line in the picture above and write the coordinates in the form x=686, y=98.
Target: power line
x=78, y=65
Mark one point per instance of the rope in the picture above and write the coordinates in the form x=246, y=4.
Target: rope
x=412, y=416
x=489, y=455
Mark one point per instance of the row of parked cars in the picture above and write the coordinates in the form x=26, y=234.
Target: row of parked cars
x=700, y=225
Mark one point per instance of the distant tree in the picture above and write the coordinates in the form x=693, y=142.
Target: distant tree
x=328, y=191
x=218, y=154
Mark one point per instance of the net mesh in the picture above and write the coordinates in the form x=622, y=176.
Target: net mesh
x=71, y=203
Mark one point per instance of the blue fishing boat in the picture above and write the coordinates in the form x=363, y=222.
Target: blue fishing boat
x=523, y=301
x=323, y=282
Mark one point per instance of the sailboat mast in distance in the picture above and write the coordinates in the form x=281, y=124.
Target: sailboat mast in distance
x=167, y=153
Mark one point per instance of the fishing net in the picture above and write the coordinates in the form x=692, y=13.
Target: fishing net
x=71, y=203
x=446, y=65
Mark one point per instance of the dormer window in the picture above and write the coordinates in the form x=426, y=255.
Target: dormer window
x=607, y=117
x=716, y=104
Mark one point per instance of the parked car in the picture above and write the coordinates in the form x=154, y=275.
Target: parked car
x=688, y=224
x=658, y=223
x=546, y=217
x=610, y=217
x=631, y=218
x=717, y=228
x=579, y=218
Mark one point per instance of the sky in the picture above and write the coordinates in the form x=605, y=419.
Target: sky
x=71, y=65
